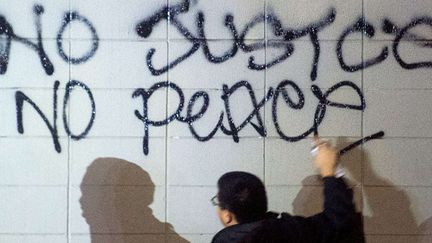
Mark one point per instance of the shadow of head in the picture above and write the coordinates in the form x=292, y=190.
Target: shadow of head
x=116, y=195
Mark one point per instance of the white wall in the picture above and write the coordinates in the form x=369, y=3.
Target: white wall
x=97, y=188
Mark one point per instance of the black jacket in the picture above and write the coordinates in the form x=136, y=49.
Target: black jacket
x=337, y=223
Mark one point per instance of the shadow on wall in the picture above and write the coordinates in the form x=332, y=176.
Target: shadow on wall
x=389, y=213
x=115, y=200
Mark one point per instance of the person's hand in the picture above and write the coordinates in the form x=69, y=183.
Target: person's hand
x=326, y=158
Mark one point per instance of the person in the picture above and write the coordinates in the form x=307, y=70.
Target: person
x=242, y=208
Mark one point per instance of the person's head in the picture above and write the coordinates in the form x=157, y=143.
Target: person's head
x=241, y=198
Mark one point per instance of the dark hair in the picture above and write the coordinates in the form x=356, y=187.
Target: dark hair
x=243, y=194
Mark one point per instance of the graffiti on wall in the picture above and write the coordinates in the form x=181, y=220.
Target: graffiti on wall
x=9, y=36
x=184, y=112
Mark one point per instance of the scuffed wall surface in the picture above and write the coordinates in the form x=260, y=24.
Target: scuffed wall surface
x=115, y=123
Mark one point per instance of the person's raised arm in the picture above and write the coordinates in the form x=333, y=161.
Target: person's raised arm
x=326, y=158
x=339, y=210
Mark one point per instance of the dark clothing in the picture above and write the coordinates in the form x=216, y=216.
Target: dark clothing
x=337, y=223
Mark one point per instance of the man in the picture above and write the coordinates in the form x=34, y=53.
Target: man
x=242, y=209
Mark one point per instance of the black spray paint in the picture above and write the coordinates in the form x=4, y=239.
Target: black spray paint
x=20, y=98
x=146, y=94
x=361, y=141
x=360, y=26
x=145, y=27
x=7, y=31
x=286, y=44
x=71, y=86
x=390, y=28
x=233, y=129
x=311, y=30
x=287, y=35
x=68, y=18
x=401, y=34
x=8, y=35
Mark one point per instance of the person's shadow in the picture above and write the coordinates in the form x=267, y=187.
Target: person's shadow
x=388, y=207
x=426, y=230
x=115, y=200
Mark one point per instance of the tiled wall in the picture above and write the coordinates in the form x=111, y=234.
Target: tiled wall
x=101, y=187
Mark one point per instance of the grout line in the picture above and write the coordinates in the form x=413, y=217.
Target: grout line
x=168, y=2
x=69, y=192
x=79, y=185
x=206, y=89
x=312, y=185
x=217, y=137
x=265, y=88
x=230, y=39
x=33, y=185
x=396, y=185
x=207, y=186
x=190, y=137
x=399, y=234
x=32, y=234
x=191, y=234
x=119, y=185
x=362, y=169
x=48, y=88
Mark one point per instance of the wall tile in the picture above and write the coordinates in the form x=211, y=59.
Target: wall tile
x=33, y=123
x=295, y=122
x=190, y=210
x=295, y=14
x=398, y=162
x=117, y=209
x=187, y=167
x=197, y=72
x=118, y=64
x=295, y=165
x=400, y=12
x=392, y=210
x=118, y=20
x=25, y=70
x=106, y=161
x=33, y=210
x=240, y=103
x=21, y=17
x=389, y=74
x=109, y=238
x=398, y=113
x=298, y=66
x=34, y=238
x=115, y=113
x=215, y=14
x=398, y=239
x=33, y=165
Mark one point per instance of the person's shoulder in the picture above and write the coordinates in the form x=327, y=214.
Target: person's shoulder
x=172, y=234
x=223, y=235
x=235, y=233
